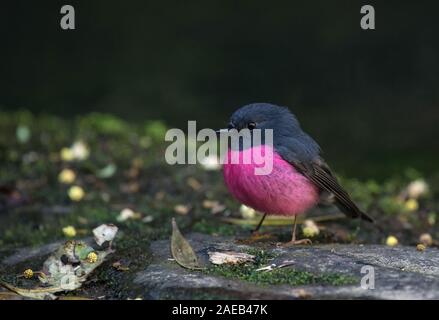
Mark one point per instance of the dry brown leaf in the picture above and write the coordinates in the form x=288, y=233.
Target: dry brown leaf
x=214, y=206
x=194, y=184
x=36, y=293
x=181, y=209
x=119, y=267
x=181, y=250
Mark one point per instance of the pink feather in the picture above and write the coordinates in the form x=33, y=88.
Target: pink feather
x=284, y=191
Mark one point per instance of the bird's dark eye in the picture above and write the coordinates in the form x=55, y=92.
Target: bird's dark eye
x=251, y=125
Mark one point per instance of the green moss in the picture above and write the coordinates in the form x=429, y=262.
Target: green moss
x=102, y=123
x=289, y=276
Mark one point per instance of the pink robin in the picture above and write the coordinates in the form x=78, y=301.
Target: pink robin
x=298, y=177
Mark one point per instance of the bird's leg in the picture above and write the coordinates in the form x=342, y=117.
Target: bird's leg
x=255, y=236
x=293, y=231
x=255, y=231
x=293, y=237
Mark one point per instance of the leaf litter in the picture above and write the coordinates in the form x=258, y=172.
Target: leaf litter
x=69, y=266
x=182, y=251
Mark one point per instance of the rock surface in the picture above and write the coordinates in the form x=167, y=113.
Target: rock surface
x=400, y=272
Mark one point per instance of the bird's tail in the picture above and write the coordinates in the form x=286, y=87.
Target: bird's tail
x=354, y=212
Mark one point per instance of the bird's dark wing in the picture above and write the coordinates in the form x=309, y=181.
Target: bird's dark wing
x=320, y=173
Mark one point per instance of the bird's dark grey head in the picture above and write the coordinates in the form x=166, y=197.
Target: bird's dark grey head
x=288, y=137
x=263, y=116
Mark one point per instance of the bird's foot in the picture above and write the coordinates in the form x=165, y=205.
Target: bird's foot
x=294, y=243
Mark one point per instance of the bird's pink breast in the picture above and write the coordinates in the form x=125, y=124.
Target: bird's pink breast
x=284, y=191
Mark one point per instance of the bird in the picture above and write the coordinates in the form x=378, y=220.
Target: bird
x=300, y=178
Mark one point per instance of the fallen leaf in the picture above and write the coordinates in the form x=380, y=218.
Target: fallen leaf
x=68, y=267
x=214, y=206
x=181, y=209
x=247, y=212
x=230, y=257
x=118, y=266
x=107, y=172
x=23, y=134
x=426, y=239
x=36, y=293
x=105, y=232
x=147, y=219
x=194, y=184
x=80, y=150
x=209, y=204
x=9, y=295
x=181, y=249
x=417, y=188
x=127, y=214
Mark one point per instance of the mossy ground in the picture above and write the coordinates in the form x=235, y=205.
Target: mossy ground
x=35, y=206
x=287, y=275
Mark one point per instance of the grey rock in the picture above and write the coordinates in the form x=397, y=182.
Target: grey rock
x=25, y=254
x=400, y=272
x=28, y=253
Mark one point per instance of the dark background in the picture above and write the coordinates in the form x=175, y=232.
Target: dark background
x=369, y=98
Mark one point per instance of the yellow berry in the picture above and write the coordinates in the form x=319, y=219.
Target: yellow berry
x=310, y=229
x=411, y=205
x=28, y=273
x=391, y=241
x=66, y=176
x=67, y=154
x=76, y=193
x=69, y=231
x=92, y=257
x=420, y=247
